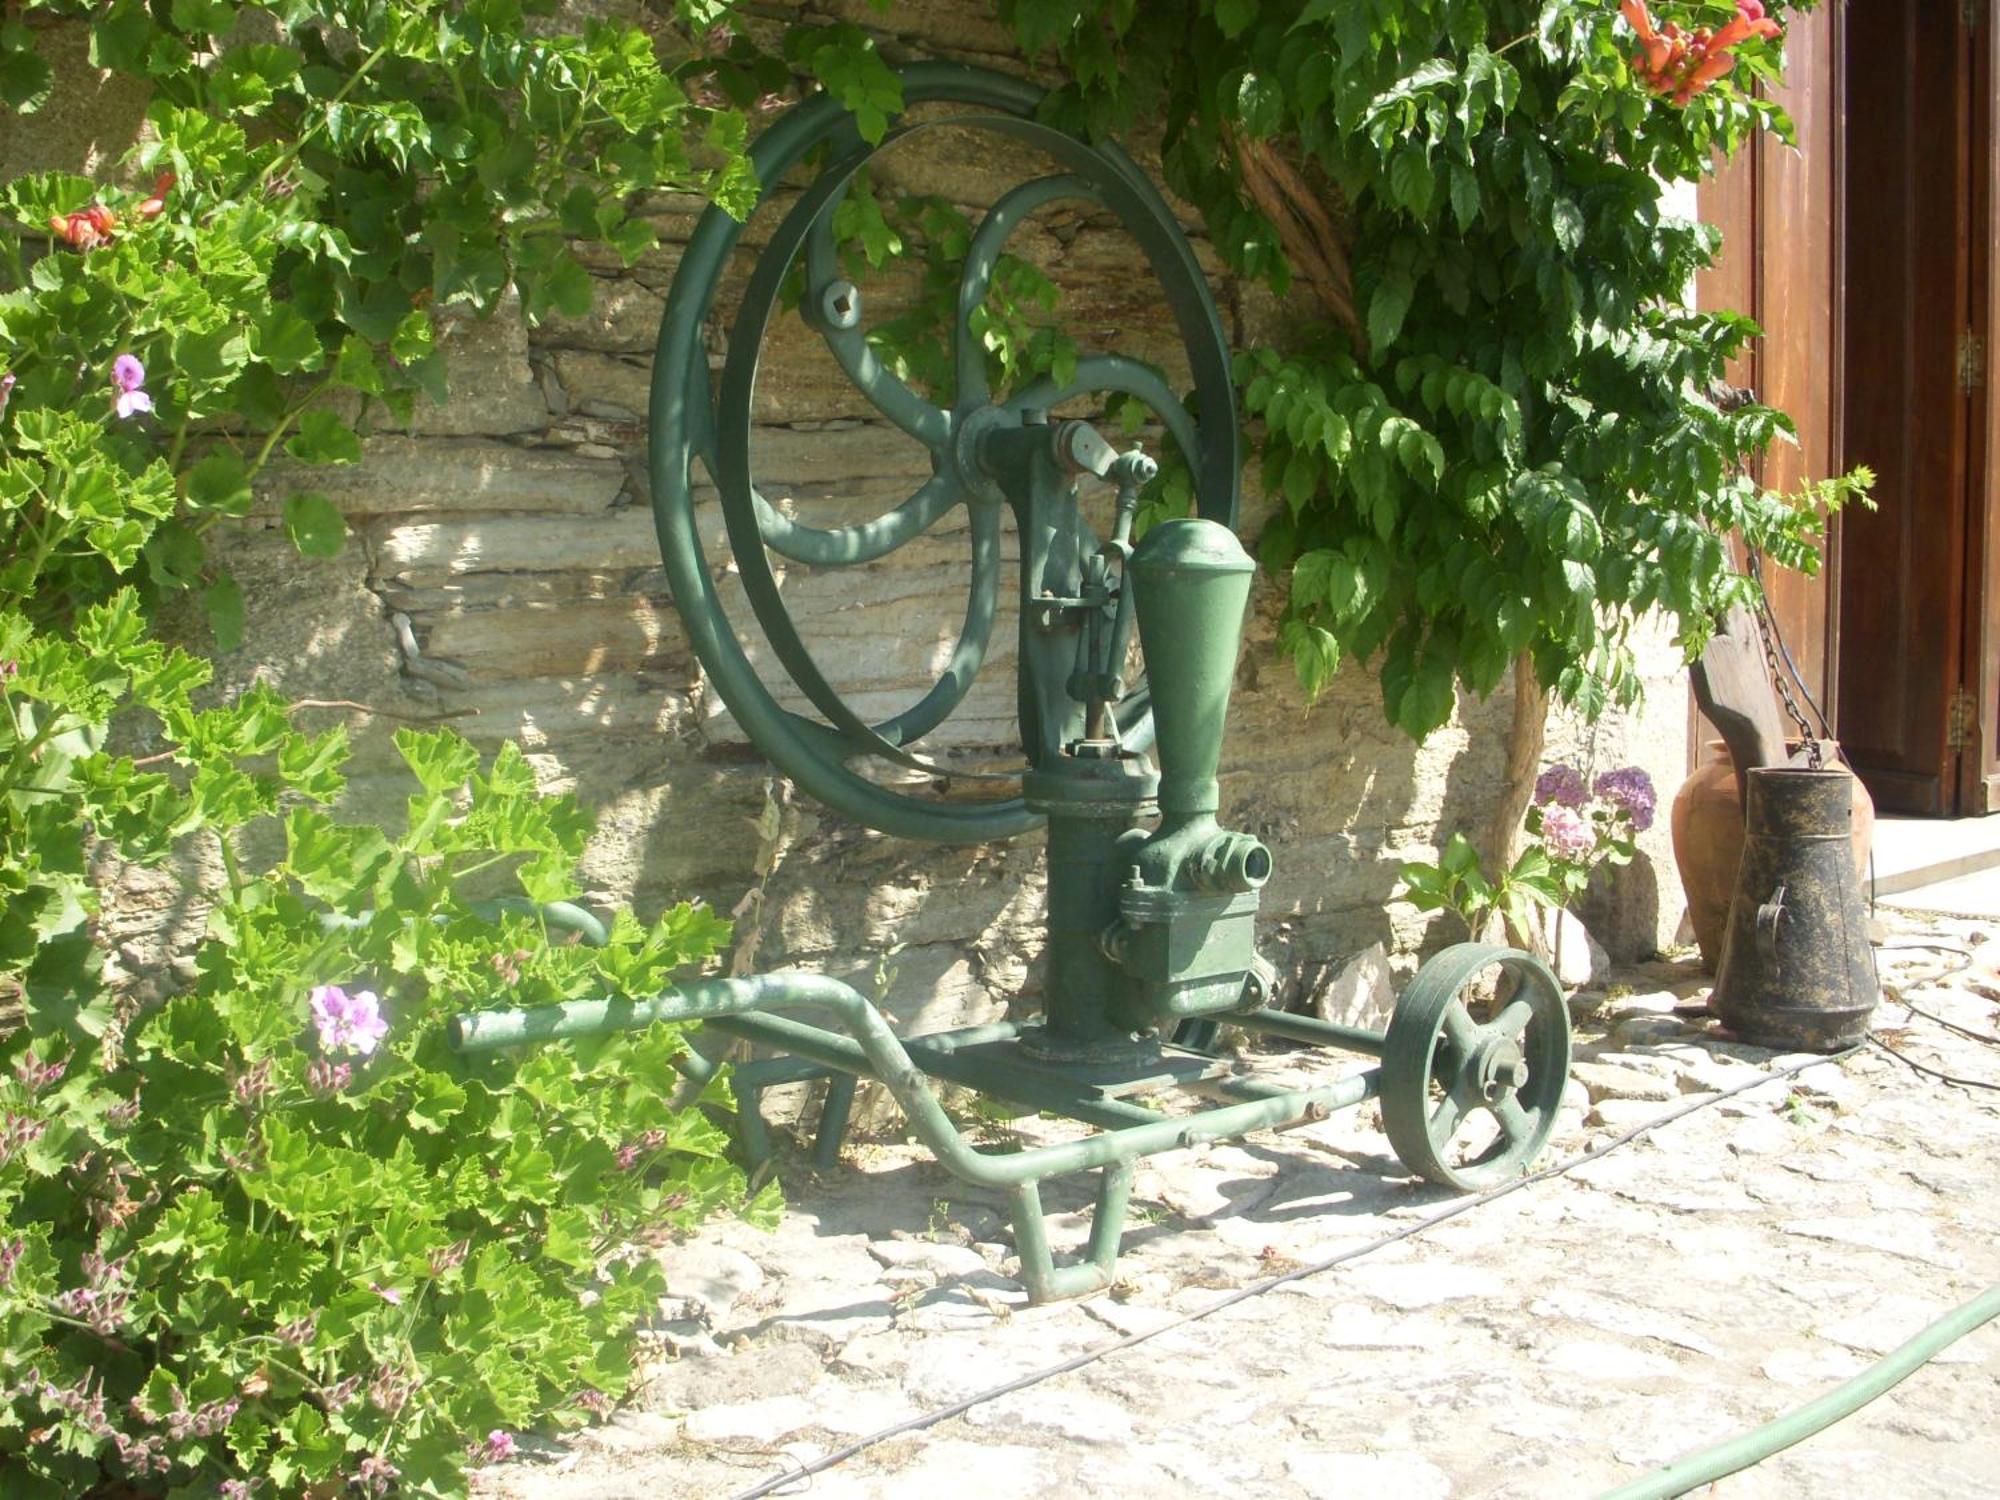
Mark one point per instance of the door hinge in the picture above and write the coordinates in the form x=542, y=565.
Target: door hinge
x=1961, y=725
x=1971, y=362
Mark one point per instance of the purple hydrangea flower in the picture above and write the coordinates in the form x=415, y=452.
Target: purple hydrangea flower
x=499, y=1446
x=1561, y=785
x=6, y=390
x=1567, y=834
x=1631, y=789
x=348, y=1021
x=129, y=376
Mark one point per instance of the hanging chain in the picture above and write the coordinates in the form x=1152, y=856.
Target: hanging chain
x=1730, y=398
x=1780, y=679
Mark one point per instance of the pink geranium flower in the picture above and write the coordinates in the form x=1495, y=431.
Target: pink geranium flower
x=129, y=377
x=348, y=1022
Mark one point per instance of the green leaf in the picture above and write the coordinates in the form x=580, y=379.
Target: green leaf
x=315, y=524
x=441, y=760
x=223, y=600
x=1387, y=308
x=356, y=367
x=1309, y=577
x=25, y=79
x=1464, y=194
x=323, y=438
x=1566, y=222
x=1234, y=17
x=219, y=482
x=174, y=557
x=286, y=342
x=1411, y=180
x=1260, y=104
x=844, y=59
x=436, y=1098
x=212, y=358
x=567, y=286
x=414, y=337
x=1460, y=857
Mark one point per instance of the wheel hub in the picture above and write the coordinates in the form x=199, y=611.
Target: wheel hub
x=1501, y=1068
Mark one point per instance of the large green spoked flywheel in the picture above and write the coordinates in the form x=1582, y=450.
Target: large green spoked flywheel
x=827, y=751
x=1469, y=1102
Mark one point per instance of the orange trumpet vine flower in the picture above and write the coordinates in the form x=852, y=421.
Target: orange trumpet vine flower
x=1680, y=64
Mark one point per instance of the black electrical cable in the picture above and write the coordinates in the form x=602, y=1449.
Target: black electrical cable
x=1964, y=957
x=1930, y=1072
x=1269, y=1283
x=1956, y=950
x=1964, y=1031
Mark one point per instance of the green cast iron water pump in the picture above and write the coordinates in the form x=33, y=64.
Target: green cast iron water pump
x=1152, y=903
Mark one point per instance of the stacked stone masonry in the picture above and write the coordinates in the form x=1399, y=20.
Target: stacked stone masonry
x=502, y=570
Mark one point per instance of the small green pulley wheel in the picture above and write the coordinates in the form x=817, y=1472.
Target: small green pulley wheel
x=1469, y=1103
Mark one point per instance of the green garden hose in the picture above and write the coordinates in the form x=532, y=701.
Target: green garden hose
x=1740, y=1452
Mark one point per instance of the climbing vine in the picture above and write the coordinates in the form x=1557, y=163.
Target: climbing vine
x=1498, y=433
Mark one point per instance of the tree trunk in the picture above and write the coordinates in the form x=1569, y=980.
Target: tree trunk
x=1526, y=735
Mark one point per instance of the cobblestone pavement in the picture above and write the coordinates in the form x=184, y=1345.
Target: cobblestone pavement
x=1695, y=1283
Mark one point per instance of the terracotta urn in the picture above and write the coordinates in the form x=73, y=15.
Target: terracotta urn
x=1708, y=841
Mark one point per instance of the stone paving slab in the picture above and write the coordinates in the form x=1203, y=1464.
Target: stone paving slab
x=1722, y=1270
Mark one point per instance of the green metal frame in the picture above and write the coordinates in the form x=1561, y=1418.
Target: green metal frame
x=1151, y=945
x=982, y=1057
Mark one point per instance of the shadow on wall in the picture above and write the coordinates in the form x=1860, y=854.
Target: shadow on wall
x=87, y=123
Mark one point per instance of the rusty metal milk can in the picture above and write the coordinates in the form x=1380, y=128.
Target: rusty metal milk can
x=1797, y=971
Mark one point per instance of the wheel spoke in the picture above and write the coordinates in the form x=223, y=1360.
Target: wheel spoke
x=981, y=258
x=849, y=346
x=1514, y=1019
x=1461, y=1031
x=863, y=542
x=1515, y=1123
x=1446, y=1118
x=1114, y=372
x=982, y=603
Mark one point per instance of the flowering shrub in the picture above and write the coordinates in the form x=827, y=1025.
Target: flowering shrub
x=261, y=1230
x=1574, y=826
x=1581, y=825
x=274, y=1229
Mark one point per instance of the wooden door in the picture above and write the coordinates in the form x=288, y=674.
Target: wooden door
x=1979, y=765
x=1779, y=212
x=1909, y=596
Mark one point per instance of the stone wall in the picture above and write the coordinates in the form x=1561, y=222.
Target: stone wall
x=502, y=570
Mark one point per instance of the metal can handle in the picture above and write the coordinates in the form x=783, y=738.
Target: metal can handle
x=1768, y=916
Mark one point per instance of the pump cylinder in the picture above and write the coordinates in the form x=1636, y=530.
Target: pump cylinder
x=1190, y=581
x=1088, y=998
